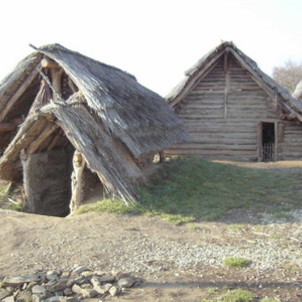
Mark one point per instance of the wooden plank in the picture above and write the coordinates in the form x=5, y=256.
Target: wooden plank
x=215, y=147
x=34, y=146
x=210, y=66
x=6, y=127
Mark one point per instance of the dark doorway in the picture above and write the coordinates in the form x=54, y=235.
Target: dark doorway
x=46, y=177
x=268, y=141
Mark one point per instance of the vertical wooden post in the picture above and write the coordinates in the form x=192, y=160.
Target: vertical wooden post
x=276, y=141
x=161, y=156
x=77, y=181
x=227, y=82
x=259, y=142
x=56, y=76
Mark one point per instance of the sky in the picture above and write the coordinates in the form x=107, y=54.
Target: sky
x=156, y=41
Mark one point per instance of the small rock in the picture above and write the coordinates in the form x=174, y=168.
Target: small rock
x=85, y=292
x=80, y=269
x=107, y=278
x=113, y=291
x=36, y=298
x=72, y=299
x=55, y=299
x=16, y=281
x=38, y=289
x=52, y=276
x=126, y=282
x=68, y=292
x=8, y=299
x=24, y=296
x=80, y=280
x=58, y=286
x=121, y=275
x=102, y=289
x=87, y=274
x=65, y=275
x=99, y=273
x=4, y=293
x=95, y=281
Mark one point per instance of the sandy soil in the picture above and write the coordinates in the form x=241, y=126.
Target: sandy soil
x=32, y=242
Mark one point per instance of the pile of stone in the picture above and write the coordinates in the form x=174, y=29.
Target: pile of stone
x=52, y=286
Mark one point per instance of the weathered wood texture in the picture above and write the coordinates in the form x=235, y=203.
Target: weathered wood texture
x=46, y=178
x=290, y=141
x=221, y=114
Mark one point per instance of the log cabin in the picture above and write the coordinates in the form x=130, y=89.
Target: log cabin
x=234, y=111
x=68, y=122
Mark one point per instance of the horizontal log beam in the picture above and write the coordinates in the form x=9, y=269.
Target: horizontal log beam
x=6, y=127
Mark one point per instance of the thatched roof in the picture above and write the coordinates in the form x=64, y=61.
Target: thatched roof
x=128, y=110
x=206, y=63
x=108, y=116
x=298, y=91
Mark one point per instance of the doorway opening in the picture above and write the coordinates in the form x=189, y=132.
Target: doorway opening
x=268, y=142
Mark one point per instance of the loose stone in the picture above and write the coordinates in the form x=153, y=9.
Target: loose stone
x=126, y=282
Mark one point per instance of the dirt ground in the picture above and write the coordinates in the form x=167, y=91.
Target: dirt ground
x=31, y=242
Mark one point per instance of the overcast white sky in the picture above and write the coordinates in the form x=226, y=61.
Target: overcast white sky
x=155, y=40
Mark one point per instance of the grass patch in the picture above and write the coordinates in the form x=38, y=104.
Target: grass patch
x=115, y=206
x=237, y=227
x=236, y=295
x=192, y=189
x=236, y=262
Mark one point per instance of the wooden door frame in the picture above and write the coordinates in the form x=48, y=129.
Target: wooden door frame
x=260, y=139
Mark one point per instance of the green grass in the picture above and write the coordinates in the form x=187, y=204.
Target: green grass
x=188, y=190
x=236, y=262
x=236, y=295
x=4, y=199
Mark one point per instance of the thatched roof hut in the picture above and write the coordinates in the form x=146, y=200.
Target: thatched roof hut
x=233, y=110
x=58, y=99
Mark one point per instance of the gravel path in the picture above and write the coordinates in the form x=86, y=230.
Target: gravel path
x=140, y=244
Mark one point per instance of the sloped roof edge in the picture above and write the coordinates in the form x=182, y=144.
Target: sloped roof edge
x=193, y=74
x=129, y=111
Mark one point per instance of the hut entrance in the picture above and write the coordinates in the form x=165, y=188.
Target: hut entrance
x=267, y=142
x=46, y=178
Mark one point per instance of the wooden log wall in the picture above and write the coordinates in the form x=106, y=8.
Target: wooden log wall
x=290, y=144
x=222, y=112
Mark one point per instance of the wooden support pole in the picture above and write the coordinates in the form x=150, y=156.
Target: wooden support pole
x=161, y=156
x=34, y=146
x=55, y=140
x=56, y=76
x=276, y=141
x=77, y=181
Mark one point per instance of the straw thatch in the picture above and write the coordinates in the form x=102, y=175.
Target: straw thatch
x=56, y=96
